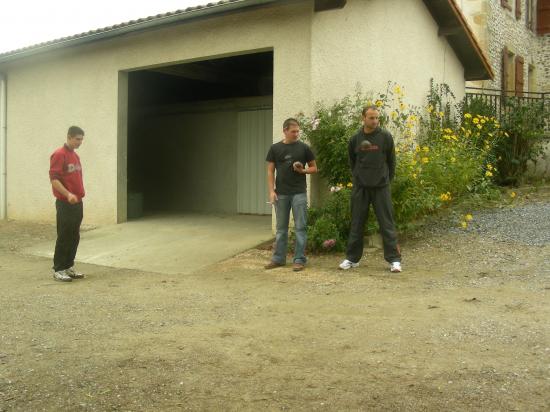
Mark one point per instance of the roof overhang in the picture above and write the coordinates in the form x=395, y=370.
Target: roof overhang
x=446, y=13
x=453, y=25
x=148, y=23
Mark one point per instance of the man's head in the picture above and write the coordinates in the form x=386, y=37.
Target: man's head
x=371, y=117
x=75, y=135
x=291, y=129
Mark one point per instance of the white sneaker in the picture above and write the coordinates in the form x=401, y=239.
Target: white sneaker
x=395, y=267
x=74, y=274
x=348, y=264
x=62, y=276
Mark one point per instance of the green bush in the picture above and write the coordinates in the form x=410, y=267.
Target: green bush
x=444, y=150
x=523, y=123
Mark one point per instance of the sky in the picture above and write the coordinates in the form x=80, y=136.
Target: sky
x=27, y=22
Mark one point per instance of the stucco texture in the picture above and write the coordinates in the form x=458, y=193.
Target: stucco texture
x=317, y=56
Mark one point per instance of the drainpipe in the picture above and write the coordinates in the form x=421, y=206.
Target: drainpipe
x=3, y=147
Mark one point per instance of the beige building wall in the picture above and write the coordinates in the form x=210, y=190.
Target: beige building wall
x=47, y=93
x=317, y=56
x=373, y=42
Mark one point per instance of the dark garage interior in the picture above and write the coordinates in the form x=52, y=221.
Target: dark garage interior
x=183, y=132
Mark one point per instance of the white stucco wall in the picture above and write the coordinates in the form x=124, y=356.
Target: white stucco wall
x=48, y=93
x=317, y=56
x=376, y=41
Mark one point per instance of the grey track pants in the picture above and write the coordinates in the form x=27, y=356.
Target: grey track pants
x=361, y=199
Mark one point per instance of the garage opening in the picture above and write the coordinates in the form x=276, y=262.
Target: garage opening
x=197, y=136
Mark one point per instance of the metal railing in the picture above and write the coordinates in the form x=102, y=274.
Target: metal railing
x=498, y=99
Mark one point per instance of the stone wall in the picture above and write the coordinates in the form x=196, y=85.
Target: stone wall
x=496, y=27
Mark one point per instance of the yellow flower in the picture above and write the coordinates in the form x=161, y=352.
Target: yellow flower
x=413, y=162
x=397, y=89
x=467, y=115
x=426, y=149
x=445, y=197
x=489, y=166
x=349, y=184
x=414, y=175
x=513, y=194
x=468, y=217
x=430, y=108
x=488, y=173
x=483, y=120
x=441, y=114
x=417, y=149
x=393, y=114
x=379, y=103
x=402, y=106
x=464, y=225
x=479, y=126
x=476, y=120
x=425, y=160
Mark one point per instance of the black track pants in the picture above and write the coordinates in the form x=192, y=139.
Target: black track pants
x=69, y=218
x=361, y=199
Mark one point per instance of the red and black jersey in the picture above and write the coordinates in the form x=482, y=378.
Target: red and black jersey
x=65, y=166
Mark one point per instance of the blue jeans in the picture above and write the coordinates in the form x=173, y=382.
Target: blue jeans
x=298, y=204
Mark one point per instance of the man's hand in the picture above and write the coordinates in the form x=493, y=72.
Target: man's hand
x=298, y=168
x=72, y=198
x=273, y=197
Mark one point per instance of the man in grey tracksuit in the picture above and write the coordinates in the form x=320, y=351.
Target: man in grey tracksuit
x=372, y=160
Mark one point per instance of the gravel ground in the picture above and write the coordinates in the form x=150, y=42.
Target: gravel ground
x=527, y=224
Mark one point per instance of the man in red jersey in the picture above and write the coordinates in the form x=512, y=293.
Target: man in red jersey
x=68, y=189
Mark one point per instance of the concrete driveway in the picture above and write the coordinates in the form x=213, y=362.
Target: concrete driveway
x=168, y=244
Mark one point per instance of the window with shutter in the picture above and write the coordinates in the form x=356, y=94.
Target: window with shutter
x=508, y=73
x=519, y=76
x=530, y=14
x=531, y=79
x=543, y=16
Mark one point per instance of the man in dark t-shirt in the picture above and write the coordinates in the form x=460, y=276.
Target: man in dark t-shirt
x=372, y=160
x=289, y=191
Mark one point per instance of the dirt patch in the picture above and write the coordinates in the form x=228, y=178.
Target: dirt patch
x=464, y=327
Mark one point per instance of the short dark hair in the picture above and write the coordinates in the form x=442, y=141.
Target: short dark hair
x=291, y=121
x=75, y=131
x=370, y=107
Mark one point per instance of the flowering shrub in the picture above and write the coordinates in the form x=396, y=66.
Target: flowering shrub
x=441, y=156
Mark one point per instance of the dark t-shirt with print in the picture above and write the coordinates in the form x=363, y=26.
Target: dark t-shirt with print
x=289, y=182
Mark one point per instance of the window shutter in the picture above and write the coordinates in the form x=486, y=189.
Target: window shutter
x=519, y=76
x=518, y=9
x=543, y=16
x=504, y=70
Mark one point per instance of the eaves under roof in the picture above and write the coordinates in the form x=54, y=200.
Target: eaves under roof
x=452, y=25
x=146, y=23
